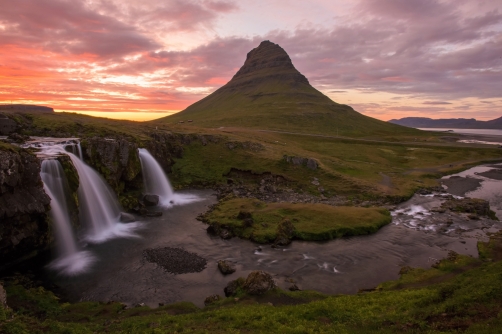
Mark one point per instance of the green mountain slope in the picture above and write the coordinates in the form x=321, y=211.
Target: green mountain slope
x=269, y=93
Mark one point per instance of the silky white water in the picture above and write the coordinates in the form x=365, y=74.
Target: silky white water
x=157, y=183
x=69, y=261
x=154, y=178
x=99, y=208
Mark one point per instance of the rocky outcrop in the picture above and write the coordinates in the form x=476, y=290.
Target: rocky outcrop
x=258, y=282
x=116, y=159
x=473, y=206
x=285, y=232
x=24, y=225
x=298, y=161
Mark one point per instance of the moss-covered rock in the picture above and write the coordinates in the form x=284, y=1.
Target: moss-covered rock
x=117, y=160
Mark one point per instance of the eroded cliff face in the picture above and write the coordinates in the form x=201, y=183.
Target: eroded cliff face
x=24, y=225
x=117, y=160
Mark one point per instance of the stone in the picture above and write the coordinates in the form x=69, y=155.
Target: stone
x=226, y=267
x=233, y=286
x=127, y=217
x=211, y=299
x=258, y=282
x=294, y=287
x=285, y=232
x=312, y=164
x=151, y=200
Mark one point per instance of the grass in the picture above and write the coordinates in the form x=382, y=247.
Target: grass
x=460, y=294
x=310, y=221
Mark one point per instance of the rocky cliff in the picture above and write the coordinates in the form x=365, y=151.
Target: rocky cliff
x=24, y=225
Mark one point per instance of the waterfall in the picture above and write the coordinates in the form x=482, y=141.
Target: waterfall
x=70, y=260
x=99, y=208
x=154, y=178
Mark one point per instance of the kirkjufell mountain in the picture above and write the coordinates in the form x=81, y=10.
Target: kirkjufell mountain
x=268, y=92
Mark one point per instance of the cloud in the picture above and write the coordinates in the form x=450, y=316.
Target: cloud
x=436, y=102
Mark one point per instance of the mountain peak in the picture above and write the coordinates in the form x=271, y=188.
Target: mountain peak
x=268, y=59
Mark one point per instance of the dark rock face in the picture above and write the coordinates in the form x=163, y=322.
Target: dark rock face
x=24, y=224
x=151, y=200
x=226, y=267
x=3, y=298
x=116, y=159
x=258, y=282
x=73, y=180
x=267, y=60
x=7, y=125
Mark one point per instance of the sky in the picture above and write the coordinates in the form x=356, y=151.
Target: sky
x=145, y=59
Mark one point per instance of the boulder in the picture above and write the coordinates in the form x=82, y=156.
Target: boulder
x=127, y=217
x=226, y=267
x=285, y=232
x=150, y=200
x=233, y=286
x=212, y=299
x=258, y=282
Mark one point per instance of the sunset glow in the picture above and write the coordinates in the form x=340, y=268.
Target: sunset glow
x=142, y=60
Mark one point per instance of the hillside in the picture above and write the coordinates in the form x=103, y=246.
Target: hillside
x=454, y=123
x=268, y=92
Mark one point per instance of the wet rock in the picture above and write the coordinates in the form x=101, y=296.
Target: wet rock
x=212, y=299
x=233, y=286
x=226, y=267
x=17, y=138
x=225, y=234
x=127, y=217
x=151, y=200
x=258, y=282
x=294, y=287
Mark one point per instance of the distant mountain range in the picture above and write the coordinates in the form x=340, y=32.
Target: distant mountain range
x=453, y=123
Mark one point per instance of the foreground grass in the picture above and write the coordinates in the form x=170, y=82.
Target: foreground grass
x=460, y=294
x=261, y=222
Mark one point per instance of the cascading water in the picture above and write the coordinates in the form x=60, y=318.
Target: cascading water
x=157, y=183
x=99, y=209
x=70, y=260
x=154, y=178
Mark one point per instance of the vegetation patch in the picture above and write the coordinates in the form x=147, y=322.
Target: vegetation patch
x=267, y=222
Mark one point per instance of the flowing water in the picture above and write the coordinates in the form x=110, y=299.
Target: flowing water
x=338, y=266
x=70, y=260
x=98, y=205
x=154, y=178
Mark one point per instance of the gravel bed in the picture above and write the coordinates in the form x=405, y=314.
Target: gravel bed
x=175, y=260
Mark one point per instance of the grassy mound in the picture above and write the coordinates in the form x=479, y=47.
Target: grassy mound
x=263, y=222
